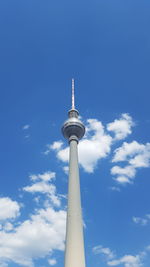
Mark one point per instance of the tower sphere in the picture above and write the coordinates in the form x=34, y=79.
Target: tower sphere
x=73, y=126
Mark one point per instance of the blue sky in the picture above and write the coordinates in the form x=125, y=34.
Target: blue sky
x=104, y=45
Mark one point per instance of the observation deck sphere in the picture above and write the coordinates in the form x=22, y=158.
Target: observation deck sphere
x=73, y=126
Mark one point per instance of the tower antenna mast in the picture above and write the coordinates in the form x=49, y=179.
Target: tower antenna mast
x=73, y=97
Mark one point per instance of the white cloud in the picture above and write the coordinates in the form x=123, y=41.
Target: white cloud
x=34, y=238
x=26, y=127
x=66, y=169
x=92, y=148
x=142, y=160
x=122, y=127
x=126, y=260
x=115, y=188
x=27, y=136
x=127, y=171
x=52, y=261
x=141, y=221
x=40, y=187
x=130, y=151
x=9, y=209
x=8, y=227
x=63, y=154
x=104, y=251
x=40, y=234
x=124, y=175
x=46, y=176
x=137, y=156
x=123, y=180
x=41, y=184
x=97, y=142
x=55, y=146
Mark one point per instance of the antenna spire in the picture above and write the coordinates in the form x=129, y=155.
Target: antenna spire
x=73, y=98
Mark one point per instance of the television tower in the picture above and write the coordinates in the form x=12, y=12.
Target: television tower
x=73, y=130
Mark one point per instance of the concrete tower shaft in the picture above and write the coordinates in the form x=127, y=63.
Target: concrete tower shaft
x=73, y=130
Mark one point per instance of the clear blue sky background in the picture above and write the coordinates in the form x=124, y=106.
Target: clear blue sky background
x=105, y=46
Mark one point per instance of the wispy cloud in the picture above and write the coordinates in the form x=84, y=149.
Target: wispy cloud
x=107, y=252
x=142, y=220
x=52, y=262
x=41, y=183
x=128, y=260
x=115, y=188
x=66, y=169
x=26, y=127
x=57, y=145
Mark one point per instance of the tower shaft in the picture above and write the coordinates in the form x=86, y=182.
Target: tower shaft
x=73, y=130
x=74, y=251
